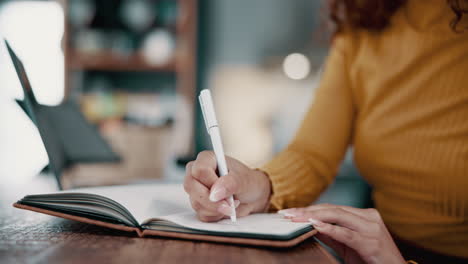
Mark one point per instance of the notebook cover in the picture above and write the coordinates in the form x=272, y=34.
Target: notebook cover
x=185, y=236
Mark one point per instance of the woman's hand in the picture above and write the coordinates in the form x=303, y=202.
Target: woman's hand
x=357, y=235
x=208, y=192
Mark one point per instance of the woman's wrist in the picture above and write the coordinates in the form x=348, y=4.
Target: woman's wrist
x=263, y=184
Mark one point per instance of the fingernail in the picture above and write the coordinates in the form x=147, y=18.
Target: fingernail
x=315, y=222
x=236, y=203
x=217, y=194
x=285, y=211
x=288, y=215
x=225, y=209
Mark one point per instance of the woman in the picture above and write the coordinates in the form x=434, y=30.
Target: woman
x=395, y=87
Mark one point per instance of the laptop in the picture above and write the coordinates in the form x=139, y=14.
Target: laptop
x=67, y=136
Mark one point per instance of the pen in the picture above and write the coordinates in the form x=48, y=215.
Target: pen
x=206, y=104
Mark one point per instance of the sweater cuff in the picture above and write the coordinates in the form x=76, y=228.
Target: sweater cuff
x=294, y=182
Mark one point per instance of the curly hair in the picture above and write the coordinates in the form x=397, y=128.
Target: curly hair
x=374, y=15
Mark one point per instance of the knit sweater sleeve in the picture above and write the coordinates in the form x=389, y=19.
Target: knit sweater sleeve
x=308, y=165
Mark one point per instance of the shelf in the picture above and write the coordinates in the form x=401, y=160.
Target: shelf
x=110, y=62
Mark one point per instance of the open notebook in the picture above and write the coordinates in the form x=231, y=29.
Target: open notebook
x=163, y=210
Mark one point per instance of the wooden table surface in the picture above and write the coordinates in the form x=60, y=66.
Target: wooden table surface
x=28, y=237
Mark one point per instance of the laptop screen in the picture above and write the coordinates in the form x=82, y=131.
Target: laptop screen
x=37, y=113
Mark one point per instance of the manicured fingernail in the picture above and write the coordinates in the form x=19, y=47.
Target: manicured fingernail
x=288, y=215
x=315, y=222
x=217, y=194
x=284, y=211
x=225, y=209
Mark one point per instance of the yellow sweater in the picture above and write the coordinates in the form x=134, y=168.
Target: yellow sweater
x=400, y=98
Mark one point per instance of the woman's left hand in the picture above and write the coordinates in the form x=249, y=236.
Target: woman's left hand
x=357, y=235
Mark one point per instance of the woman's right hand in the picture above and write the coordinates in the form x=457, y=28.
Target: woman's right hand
x=208, y=192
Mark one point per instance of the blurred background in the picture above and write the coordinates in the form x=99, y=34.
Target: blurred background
x=135, y=68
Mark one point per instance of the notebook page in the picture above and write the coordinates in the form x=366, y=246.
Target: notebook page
x=258, y=224
x=145, y=201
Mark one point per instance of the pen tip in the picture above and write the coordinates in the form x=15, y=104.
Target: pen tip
x=233, y=218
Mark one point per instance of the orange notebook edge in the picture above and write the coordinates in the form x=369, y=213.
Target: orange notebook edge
x=233, y=240
x=184, y=236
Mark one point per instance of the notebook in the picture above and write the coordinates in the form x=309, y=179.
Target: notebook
x=163, y=210
x=147, y=210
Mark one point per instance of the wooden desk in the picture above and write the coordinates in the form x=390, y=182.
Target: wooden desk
x=27, y=237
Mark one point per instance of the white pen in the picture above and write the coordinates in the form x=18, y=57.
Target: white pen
x=206, y=104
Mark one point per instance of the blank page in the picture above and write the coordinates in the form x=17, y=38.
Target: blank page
x=169, y=202
x=256, y=224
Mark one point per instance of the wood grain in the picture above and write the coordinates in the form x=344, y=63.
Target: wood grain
x=28, y=237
